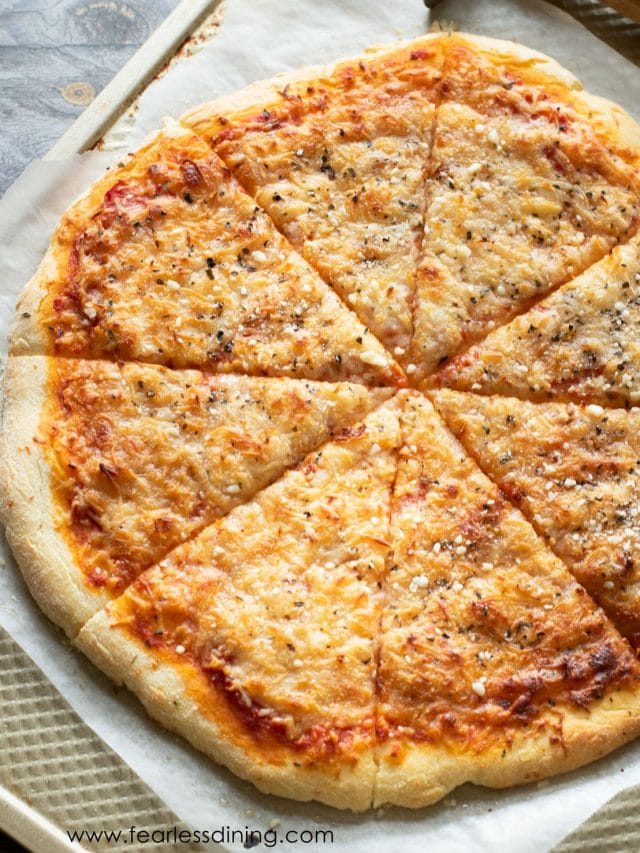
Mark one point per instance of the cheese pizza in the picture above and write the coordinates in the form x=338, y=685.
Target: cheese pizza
x=140, y=457
x=319, y=432
x=273, y=613
x=337, y=159
x=167, y=260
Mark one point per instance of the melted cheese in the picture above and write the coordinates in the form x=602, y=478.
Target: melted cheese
x=483, y=628
x=339, y=167
x=279, y=602
x=521, y=196
x=382, y=592
x=174, y=264
x=580, y=343
x=143, y=457
x=574, y=471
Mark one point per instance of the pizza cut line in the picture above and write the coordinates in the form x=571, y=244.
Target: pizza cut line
x=337, y=159
x=578, y=344
x=318, y=427
x=139, y=457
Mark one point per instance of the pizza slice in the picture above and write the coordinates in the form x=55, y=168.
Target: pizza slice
x=336, y=156
x=580, y=343
x=573, y=470
x=110, y=466
x=495, y=666
x=257, y=640
x=167, y=260
x=526, y=189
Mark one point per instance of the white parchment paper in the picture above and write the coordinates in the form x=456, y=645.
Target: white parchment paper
x=257, y=39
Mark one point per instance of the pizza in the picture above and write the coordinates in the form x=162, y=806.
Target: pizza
x=522, y=194
x=277, y=606
x=168, y=261
x=319, y=431
x=337, y=160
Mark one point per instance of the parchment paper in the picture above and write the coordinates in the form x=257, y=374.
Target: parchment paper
x=259, y=38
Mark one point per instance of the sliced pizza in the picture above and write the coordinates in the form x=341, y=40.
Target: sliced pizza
x=207, y=481
x=336, y=156
x=581, y=343
x=110, y=466
x=257, y=639
x=574, y=472
x=167, y=260
x=495, y=666
x=525, y=190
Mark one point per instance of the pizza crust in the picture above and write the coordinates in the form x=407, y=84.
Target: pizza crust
x=532, y=64
x=25, y=336
x=27, y=509
x=428, y=773
x=264, y=93
x=164, y=691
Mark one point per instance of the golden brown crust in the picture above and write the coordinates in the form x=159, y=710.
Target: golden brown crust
x=28, y=509
x=429, y=772
x=166, y=690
